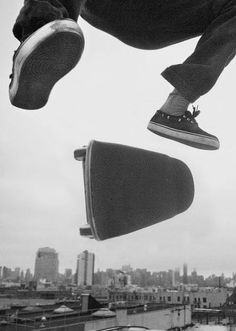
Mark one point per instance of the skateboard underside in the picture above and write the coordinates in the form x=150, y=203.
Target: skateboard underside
x=127, y=188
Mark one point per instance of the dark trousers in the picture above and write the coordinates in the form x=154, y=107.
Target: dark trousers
x=154, y=24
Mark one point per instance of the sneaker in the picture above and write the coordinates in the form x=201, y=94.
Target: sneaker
x=42, y=59
x=183, y=129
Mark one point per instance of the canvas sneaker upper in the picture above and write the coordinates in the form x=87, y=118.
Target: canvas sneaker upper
x=184, y=129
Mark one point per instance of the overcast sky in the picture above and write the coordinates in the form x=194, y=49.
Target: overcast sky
x=110, y=96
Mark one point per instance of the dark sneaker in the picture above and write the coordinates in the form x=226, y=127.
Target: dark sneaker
x=42, y=59
x=183, y=129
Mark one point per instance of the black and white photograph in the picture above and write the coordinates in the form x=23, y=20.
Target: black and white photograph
x=117, y=172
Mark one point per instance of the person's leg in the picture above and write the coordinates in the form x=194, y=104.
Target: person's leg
x=160, y=23
x=215, y=49
x=195, y=77
x=51, y=45
x=155, y=24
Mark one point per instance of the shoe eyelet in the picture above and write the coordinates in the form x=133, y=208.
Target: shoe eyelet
x=168, y=117
x=179, y=120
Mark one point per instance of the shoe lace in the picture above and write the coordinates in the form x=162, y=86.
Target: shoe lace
x=191, y=116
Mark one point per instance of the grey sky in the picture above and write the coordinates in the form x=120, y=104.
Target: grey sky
x=110, y=96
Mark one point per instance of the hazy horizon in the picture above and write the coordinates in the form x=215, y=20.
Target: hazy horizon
x=180, y=267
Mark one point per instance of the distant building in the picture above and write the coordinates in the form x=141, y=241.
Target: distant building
x=202, y=298
x=28, y=276
x=126, y=268
x=46, y=264
x=173, y=278
x=177, y=275
x=16, y=273
x=85, y=269
x=6, y=273
x=101, y=278
x=119, y=280
x=68, y=274
x=22, y=276
x=185, y=274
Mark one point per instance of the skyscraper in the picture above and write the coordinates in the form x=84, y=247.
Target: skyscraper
x=173, y=281
x=185, y=274
x=6, y=273
x=28, y=276
x=68, y=273
x=16, y=273
x=85, y=268
x=22, y=276
x=46, y=264
x=177, y=275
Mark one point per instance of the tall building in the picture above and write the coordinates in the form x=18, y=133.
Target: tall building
x=46, y=264
x=22, y=276
x=16, y=273
x=85, y=269
x=28, y=276
x=194, y=277
x=120, y=279
x=6, y=273
x=173, y=281
x=185, y=274
x=177, y=275
x=68, y=276
x=68, y=273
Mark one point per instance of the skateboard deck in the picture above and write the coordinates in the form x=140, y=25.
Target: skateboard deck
x=127, y=188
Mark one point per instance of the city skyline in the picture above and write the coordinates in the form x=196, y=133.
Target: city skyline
x=184, y=269
x=85, y=277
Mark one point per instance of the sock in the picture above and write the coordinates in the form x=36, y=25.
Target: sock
x=175, y=104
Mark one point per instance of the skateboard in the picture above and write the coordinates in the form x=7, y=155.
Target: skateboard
x=127, y=188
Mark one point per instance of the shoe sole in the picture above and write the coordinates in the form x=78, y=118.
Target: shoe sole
x=187, y=138
x=42, y=59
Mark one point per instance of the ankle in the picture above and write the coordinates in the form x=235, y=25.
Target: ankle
x=175, y=104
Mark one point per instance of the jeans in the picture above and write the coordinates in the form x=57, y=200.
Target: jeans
x=153, y=24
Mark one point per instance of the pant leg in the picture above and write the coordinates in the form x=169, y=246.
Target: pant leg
x=36, y=13
x=153, y=24
x=215, y=49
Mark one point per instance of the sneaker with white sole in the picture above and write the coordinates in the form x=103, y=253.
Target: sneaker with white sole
x=183, y=129
x=42, y=59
